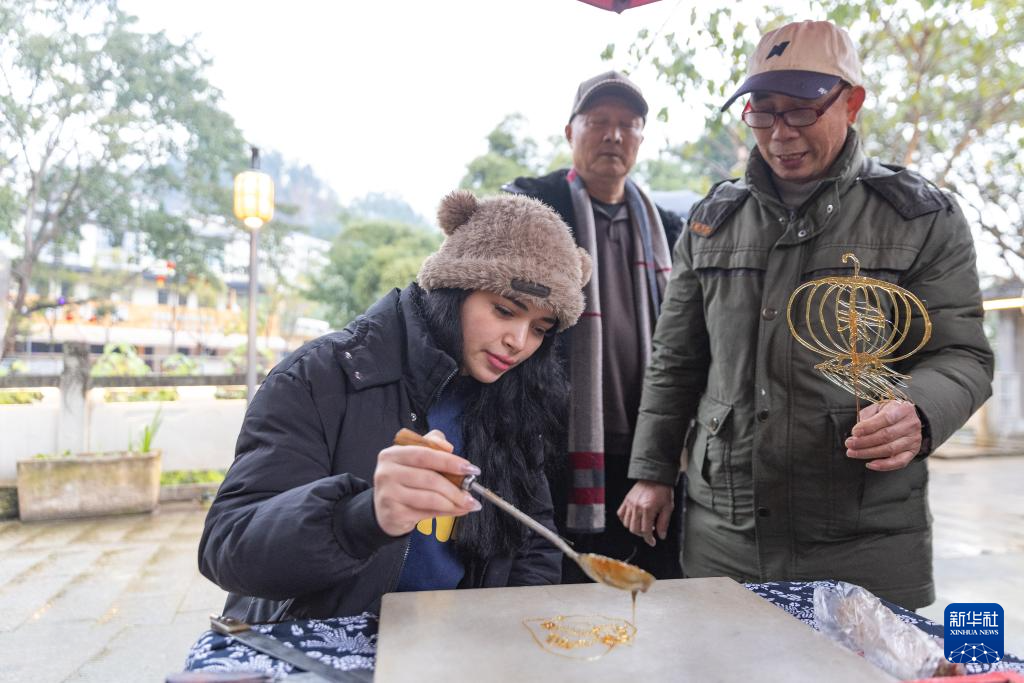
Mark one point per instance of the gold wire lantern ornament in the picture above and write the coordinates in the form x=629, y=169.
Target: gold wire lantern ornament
x=845, y=321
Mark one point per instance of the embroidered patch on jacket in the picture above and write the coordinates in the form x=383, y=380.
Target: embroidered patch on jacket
x=702, y=229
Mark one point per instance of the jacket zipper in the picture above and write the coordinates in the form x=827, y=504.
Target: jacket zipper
x=405, y=555
x=440, y=389
x=408, y=542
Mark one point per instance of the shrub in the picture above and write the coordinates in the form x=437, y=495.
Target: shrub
x=20, y=397
x=230, y=392
x=17, y=367
x=119, y=360
x=237, y=359
x=177, y=477
x=144, y=394
x=179, y=365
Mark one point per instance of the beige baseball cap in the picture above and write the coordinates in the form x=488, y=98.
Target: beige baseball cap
x=804, y=59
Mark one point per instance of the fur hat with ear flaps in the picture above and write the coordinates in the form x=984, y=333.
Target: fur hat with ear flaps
x=511, y=245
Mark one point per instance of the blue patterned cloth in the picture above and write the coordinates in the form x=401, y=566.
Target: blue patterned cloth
x=351, y=642
x=344, y=643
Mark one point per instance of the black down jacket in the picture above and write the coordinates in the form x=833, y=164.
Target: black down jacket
x=292, y=532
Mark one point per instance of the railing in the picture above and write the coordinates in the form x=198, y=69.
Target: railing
x=51, y=362
x=199, y=430
x=35, y=381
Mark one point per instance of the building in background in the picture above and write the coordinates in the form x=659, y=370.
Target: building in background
x=1004, y=322
x=106, y=293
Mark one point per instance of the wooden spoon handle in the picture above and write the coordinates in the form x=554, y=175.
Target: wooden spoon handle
x=407, y=437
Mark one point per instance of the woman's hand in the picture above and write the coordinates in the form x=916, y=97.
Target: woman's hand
x=408, y=486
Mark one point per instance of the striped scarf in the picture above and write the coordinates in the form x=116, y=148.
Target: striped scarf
x=586, y=511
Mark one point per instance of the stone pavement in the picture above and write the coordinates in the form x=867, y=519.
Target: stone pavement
x=121, y=599
x=110, y=599
x=978, y=509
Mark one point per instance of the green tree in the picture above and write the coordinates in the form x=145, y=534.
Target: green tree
x=559, y=154
x=102, y=124
x=509, y=155
x=368, y=259
x=943, y=82
x=666, y=173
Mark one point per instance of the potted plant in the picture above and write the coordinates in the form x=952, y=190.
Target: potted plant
x=87, y=484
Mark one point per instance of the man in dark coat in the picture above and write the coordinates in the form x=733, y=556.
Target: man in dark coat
x=629, y=240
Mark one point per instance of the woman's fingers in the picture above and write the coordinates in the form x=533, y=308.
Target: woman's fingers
x=438, y=437
x=417, y=479
x=424, y=504
x=428, y=459
x=409, y=485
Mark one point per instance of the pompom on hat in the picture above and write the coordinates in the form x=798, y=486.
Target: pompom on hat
x=511, y=245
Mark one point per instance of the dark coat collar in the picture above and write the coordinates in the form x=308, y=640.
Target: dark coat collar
x=391, y=342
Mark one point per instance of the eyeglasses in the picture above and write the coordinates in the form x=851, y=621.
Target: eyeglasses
x=794, y=118
x=602, y=125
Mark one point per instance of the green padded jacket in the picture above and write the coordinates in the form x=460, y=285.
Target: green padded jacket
x=766, y=465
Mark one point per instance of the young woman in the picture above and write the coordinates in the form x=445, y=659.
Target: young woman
x=320, y=515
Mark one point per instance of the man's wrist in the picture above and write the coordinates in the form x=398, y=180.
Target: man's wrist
x=926, y=434
x=654, y=473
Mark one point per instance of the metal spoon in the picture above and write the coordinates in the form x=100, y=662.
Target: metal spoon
x=600, y=568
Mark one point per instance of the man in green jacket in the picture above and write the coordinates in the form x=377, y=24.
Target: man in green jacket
x=785, y=480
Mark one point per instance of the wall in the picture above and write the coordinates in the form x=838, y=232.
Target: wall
x=28, y=429
x=197, y=431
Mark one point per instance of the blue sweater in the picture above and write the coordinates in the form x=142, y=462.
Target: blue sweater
x=432, y=562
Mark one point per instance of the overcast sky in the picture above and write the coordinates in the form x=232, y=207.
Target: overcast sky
x=398, y=95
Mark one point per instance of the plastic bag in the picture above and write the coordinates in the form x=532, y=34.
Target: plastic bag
x=859, y=621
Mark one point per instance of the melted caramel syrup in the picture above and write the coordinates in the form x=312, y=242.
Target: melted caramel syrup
x=583, y=637
x=580, y=637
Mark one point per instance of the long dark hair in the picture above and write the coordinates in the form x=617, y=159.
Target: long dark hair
x=510, y=428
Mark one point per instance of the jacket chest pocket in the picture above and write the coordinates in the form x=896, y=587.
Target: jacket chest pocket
x=732, y=284
x=713, y=481
x=882, y=262
x=863, y=501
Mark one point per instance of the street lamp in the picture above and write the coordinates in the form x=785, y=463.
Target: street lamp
x=254, y=206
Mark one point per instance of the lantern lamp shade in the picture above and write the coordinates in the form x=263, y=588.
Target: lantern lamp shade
x=254, y=198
